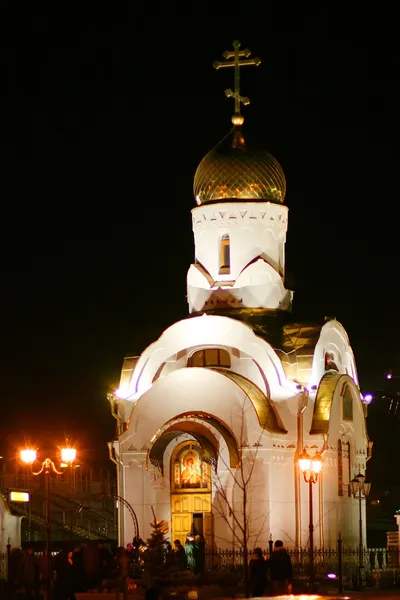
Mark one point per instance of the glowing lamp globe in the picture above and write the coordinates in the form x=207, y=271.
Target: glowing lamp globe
x=28, y=456
x=316, y=464
x=68, y=455
x=304, y=462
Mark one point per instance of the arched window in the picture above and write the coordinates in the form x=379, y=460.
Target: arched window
x=225, y=255
x=348, y=470
x=210, y=357
x=344, y=468
x=340, y=468
x=347, y=403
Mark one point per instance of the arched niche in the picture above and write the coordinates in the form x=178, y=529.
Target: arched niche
x=198, y=425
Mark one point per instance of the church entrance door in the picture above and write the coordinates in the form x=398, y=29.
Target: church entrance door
x=181, y=524
x=190, y=512
x=190, y=493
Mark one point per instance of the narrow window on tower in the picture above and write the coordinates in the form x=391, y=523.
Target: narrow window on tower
x=349, y=469
x=225, y=255
x=340, y=467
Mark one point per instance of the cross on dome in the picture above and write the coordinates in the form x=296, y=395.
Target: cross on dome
x=236, y=63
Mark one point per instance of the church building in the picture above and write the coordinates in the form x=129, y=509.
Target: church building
x=214, y=416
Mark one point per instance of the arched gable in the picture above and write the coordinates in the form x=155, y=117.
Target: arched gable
x=210, y=330
x=198, y=390
x=331, y=383
x=334, y=341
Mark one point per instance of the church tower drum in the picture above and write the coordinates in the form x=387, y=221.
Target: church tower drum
x=239, y=224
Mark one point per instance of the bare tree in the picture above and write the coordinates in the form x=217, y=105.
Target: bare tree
x=237, y=515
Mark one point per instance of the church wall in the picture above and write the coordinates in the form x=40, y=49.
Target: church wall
x=134, y=488
x=340, y=513
x=10, y=528
x=281, y=493
x=259, y=501
x=304, y=541
x=254, y=229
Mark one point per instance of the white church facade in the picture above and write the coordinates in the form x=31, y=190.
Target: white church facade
x=222, y=405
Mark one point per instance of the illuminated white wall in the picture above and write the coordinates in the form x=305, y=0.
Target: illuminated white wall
x=341, y=513
x=10, y=527
x=257, y=232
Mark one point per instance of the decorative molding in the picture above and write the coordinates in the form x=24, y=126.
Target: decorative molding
x=274, y=213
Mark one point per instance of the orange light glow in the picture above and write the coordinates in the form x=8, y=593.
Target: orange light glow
x=28, y=456
x=316, y=464
x=68, y=455
x=304, y=462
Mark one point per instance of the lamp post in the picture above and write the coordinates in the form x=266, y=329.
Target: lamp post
x=29, y=456
x=310, y=467
x=360, y=489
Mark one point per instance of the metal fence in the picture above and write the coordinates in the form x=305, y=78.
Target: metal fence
x=380, y=566
x=3, y=566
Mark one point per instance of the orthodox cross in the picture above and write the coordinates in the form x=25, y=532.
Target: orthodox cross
x=236, y=63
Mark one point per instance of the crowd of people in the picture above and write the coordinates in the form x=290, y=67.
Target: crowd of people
x=93, y=566
x=190, y=556
x=79, y=569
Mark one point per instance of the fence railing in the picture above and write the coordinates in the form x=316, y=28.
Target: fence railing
x=381, y=565
x=329, y=564
x=3, y=566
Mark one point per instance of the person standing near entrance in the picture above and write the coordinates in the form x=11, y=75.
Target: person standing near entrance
x=180, y=555
x=199, y=555
x=280, y=567
x=189, y=551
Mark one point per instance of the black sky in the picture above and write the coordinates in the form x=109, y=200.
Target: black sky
x=104, y=118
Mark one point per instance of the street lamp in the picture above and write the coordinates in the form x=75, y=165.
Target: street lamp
x=29, y=456
x=68, y=455
x=360, y=489
x=311, y=468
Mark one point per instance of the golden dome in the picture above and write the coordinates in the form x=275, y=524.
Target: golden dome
x=235, y=171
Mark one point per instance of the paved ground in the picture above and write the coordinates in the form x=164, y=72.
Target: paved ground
x=364, y=595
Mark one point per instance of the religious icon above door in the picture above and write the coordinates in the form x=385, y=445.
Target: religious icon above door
x=190, y=470
x=191, y=473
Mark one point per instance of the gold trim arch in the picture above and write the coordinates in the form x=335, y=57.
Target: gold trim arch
x=267, y=414
x=324, y=398
x=189, y=423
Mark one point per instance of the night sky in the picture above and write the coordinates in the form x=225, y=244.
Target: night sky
x=104, y=119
